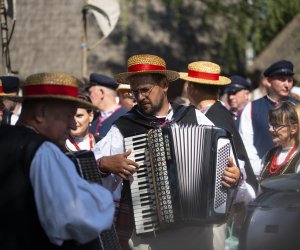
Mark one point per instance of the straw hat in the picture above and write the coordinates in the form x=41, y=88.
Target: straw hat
x=145, y=64
x=123, y=88
x=54, y=85
x=204, y=73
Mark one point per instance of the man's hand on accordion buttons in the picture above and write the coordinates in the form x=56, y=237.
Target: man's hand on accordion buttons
x=231, y=174
x=118, y=164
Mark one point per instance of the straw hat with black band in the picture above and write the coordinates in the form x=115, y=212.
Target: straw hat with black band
x=204, y=72
x=145, y=64
x=54, y=85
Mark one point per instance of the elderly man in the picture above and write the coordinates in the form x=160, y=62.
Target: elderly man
x=149, y=81
x=254, y=126
x=238, y=95
x=102, y=91
x=45, y=204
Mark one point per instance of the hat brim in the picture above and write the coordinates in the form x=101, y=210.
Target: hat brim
x=281, y=72
x=14, y=98
x=123, y=77
x=233, y=90
x=80, y=102
x=222, y=80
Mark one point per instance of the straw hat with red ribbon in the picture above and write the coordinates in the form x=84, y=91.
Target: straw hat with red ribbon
x=145, y=64
x=204, y=72
x=55, y=86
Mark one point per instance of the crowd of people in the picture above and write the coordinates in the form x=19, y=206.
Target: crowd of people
x=47, y=205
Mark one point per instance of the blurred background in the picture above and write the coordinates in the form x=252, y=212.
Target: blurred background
x=81, y=37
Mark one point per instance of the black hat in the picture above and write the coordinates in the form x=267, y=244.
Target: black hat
x=101, y=80
x=10, y=84
x=237, y=83
x=280, y=68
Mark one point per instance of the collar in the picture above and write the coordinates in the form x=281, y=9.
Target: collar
x=105, y=114
x=167, y=117
x=276, y=102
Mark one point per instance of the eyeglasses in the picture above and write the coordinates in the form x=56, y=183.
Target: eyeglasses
x=277, y=127
x=143, y=91
x=127, y=95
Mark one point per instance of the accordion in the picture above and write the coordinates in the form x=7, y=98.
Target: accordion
x=180, y=175
x=87, y=168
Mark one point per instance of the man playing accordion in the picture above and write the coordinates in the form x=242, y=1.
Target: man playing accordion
x=149, y=81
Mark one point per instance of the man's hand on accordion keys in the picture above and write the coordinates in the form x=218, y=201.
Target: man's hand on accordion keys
x=118, y=164
x=231, y=174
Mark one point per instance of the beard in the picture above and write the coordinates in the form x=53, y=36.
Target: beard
x=151, y=109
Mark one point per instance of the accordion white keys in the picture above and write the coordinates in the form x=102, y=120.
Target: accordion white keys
x=180, y=175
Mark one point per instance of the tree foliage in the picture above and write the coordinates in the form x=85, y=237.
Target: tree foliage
x=234, y=27
x=251, y=24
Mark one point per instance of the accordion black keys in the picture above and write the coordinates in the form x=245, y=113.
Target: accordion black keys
x=87, y=168
x=180, y=174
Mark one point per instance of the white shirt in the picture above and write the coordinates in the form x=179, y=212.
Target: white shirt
x=247, y=134
x=68, y=206
x=15, y=116
x=84, y=143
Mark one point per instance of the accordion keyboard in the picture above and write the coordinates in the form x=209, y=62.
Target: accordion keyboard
x=142, y=191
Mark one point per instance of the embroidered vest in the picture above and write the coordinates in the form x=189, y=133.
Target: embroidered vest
x=288, y=168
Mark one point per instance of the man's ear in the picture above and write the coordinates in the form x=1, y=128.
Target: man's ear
x=40, y=112
x=165, y=84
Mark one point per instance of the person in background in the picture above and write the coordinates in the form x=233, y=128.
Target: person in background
x=80, y=138
x=254, y=127
x=183, y=98
x=102, y=91
x=126, y=98
x=45, y=204
x=261, y=90
x=149, y=81
x=238, y=95
x=284, y=158
x=11, y=87
x=204, y=85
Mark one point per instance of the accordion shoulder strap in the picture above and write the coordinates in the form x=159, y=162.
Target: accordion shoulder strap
x=133, y=122
x=181, y=114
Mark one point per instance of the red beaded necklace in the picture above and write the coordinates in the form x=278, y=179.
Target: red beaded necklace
x=77, y=146
x=274, y=168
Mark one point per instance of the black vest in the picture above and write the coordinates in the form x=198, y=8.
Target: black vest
x=19, y=225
